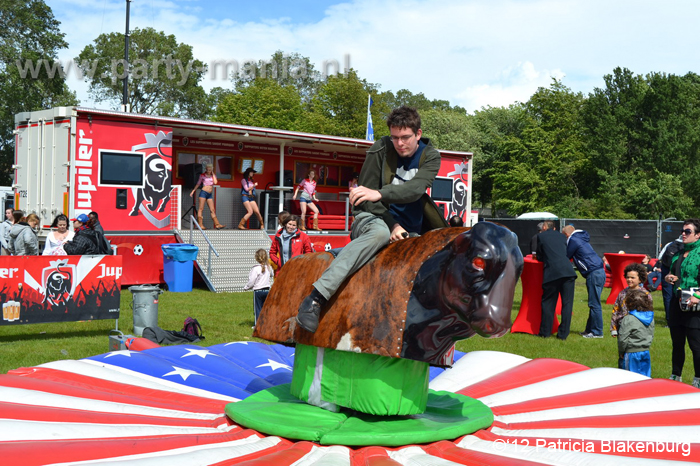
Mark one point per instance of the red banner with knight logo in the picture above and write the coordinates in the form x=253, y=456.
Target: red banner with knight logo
x=37, y=289
x=124, y=173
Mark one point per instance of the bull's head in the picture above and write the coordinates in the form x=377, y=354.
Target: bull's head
x=464, y=289
x=58, y=286
x=157, y=173
x=479, y=280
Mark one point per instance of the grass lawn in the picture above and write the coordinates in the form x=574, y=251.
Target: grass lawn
x=227, y=317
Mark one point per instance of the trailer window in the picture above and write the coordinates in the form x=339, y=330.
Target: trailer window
x=121, y=168
x=442, y=189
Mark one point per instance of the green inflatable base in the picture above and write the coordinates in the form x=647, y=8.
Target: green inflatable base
x=276, y=412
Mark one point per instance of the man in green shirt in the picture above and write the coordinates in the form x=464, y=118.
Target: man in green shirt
x=389, y=204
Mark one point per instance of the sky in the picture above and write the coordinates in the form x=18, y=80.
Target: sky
x=472, y=53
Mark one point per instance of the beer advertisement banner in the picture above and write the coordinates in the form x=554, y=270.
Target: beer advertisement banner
x=38, y=289
x=124, y=173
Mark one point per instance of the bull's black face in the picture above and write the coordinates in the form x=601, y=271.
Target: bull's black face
x=464, y=289
x=479, y=281
x=157, y=173
x=58, y=287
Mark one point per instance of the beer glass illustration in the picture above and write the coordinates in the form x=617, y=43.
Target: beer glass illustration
x=10, y=311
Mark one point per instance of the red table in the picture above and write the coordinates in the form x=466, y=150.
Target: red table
x=618, y=262
x=530, y=312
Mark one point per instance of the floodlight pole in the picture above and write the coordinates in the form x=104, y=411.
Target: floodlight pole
x=125, y=91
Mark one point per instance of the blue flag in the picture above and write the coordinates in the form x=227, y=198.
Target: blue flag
x=369, y=135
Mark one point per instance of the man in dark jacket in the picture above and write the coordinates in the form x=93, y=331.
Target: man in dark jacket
x=389, y=204
x=558, y=280
x=96, y=225
x=591, y=267
x=84, y=243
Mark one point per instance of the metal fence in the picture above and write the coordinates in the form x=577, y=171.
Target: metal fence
x=631, y=236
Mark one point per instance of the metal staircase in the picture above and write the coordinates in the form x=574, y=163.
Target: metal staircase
x=236, y=248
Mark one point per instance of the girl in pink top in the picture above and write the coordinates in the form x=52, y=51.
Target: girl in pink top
x=308, y=195
x=207, y=180
x=248, y=198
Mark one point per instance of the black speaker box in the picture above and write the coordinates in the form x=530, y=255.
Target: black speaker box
x=121, y=198
x=190, y=174
x=288, y=178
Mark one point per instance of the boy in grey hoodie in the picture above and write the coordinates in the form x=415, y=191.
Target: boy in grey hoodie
x=636, y=333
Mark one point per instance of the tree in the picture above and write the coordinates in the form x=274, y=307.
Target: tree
x=494, y=128
x=292, y=70
x=339, y=106
x=449, y=130
x=419, y=101
x=30, y=77
x=639, y=129
x=163, y=75
x=263, y=103
x=547, y=164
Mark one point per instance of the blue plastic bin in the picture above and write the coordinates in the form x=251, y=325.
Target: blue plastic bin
x=178, y=264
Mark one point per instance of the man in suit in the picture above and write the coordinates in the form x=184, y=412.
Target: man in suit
x=558, y=280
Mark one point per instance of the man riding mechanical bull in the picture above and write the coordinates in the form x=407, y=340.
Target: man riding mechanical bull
x=389, y=204
x=398, y=296
x=445, y=285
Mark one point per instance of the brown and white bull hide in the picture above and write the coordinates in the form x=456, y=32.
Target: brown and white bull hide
x=413, y=300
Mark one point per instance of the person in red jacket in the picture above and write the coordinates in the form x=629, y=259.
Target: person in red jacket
x=289, y=242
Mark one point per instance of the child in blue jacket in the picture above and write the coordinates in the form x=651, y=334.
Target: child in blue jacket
x=636, y=333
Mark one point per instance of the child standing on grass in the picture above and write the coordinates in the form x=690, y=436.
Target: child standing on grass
x=259, y=281
x=636, y=333
x=635, y=275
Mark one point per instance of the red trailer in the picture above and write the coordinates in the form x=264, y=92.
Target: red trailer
x=137, y=172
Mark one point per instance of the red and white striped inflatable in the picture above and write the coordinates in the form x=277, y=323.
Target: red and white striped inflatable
x=164, y=406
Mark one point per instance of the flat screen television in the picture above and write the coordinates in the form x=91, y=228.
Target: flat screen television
x=442, y=189
x=121, y=168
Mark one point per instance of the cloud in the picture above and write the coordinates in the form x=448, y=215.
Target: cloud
x=470, y=52
x=513, y=84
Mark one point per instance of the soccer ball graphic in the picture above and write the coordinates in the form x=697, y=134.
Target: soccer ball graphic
x=328, y=247
x=138, y=250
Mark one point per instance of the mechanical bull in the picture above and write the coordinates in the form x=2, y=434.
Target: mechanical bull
x=413, y=300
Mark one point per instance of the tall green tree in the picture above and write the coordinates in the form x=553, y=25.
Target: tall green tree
x=547, y=165
x=164, y=76
x=263, y=103
x=450, y=129
x=31, y=78
x=638, y=129
x=284, y=69
x=494, y=127
x=339, y=106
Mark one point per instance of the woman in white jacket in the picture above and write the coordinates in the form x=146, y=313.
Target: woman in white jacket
x=56, y=239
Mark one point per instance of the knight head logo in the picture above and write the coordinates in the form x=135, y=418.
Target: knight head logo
x=153, y=198
x=58, y=285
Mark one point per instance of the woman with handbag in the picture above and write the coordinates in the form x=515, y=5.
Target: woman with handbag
x=684, y=313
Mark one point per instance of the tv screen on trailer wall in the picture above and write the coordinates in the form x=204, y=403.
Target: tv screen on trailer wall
x=442, y=189
x=121, y=168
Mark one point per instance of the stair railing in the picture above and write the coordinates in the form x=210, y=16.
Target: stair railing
x=193, y=222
